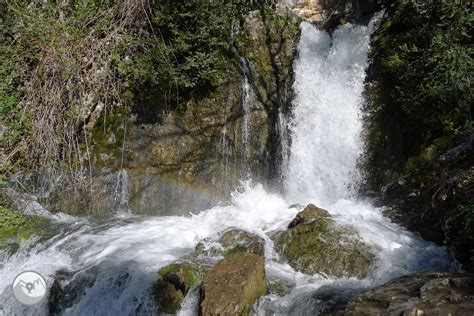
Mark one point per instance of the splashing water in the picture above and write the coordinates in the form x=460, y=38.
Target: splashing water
x=113, y=263
x=326, y=125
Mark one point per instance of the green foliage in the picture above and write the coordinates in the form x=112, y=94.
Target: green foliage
x=187, y=50
x=61, y=59
x=420, y=82
x=56, y=66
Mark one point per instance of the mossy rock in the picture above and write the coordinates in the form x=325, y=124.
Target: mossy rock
x=279, y=286
x=167, y=297
x=15, y=227
x=233, y=285
x=176, y=281
x=231, y=241
x=314, y=244
x=241, y=240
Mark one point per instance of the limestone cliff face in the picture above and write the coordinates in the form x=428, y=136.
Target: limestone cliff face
x=176, y=161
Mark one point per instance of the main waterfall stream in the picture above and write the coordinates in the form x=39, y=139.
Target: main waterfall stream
x=113, y=263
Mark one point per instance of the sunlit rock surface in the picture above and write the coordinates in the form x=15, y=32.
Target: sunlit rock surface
x=421, y=293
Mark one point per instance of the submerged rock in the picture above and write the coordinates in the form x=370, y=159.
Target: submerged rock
x=176, y=281
x=314, y=244
x=233, y=285
x=233, y=240
x=421, y=293
x=279, y=286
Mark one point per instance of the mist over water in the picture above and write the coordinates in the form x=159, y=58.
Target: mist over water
x=113, y=263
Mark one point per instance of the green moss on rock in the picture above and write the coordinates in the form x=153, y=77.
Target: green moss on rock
x=167, y=297
x=15, y=227
x=314, y=244
x=176, y=281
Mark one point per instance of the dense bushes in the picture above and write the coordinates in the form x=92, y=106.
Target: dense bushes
x=186, y=52
x=56, y=70
x=419, y=94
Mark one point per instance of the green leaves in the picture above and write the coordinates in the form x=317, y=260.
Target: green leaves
x=189, y=47
x=426, y=54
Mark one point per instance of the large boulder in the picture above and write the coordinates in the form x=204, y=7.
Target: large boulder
x=233, y=285
x=176, y=281
x=313, y=243
x=421, y=293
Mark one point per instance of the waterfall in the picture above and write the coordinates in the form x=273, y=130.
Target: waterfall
x=121, y=192
x=224, y=146
x=246, y=115
x=111, y=265
x=284, y=136
x=246, y=107
x=326, y=123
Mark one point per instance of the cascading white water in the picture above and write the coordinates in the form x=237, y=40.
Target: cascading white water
x=121, y=192
x=112, y=264
x=246, y=115
x=246, y=104
x=327, y=124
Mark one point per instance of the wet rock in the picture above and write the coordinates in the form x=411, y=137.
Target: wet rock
x=167, y=297
x=279, y=286
x=321, y=10
x=241, y=240
x=67, y=288
x=309, y=214
x=310, y=10
x=176, y=281
x=56, y=292
x=421, y=293
x=231, y=241
x=233, y=285
x=314, y=244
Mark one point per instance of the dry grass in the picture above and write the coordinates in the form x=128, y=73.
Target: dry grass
x=73, y=79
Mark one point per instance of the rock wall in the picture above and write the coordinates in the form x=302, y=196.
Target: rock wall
x=165, y=161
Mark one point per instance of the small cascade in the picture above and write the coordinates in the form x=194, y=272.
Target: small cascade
x=246, y=108
x=285, y=140
x=121, y=192
x=224, y=146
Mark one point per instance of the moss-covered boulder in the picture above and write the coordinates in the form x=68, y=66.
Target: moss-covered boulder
x=233, y=285
x=176, y=281
x=15, y=227
x=314, y=244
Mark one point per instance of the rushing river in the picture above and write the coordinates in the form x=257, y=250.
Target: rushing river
x=112, y=264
